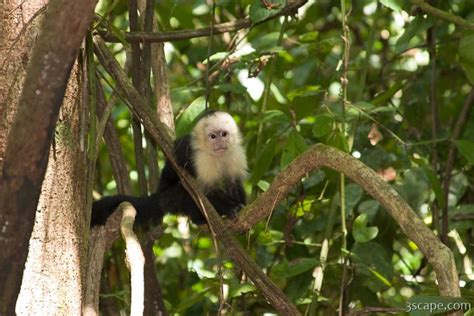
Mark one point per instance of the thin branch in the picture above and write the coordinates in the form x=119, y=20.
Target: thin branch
x=114, y=149
x=431, y=42
x=136, y=127
x=172, y=36
x=443, y=15
x=374, y=309
x=342, y=179
x=457, y=128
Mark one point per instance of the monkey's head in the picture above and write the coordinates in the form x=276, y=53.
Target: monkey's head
x=217, y=133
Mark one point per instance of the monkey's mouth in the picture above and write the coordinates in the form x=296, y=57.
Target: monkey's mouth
x=219, y=147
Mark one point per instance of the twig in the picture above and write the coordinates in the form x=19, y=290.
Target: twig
x=114, y=149
x=457, y=128
x=431, y=41
x=342, y=180
x=209, y=48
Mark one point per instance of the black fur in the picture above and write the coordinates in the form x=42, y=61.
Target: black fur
x=172, y=197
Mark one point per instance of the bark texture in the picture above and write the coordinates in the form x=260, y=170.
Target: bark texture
x=30, y=135
x=53, y=277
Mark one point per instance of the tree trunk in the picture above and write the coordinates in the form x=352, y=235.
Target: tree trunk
x=26, y=128
x=19, y=25
x=54, y=271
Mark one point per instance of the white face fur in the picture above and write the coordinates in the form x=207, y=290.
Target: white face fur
x=217, y=143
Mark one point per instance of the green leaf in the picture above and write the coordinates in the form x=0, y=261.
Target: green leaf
x=323, y=124
x=394, y=5
x=241, y=289
x=236, y=88
x=419, y=25
x=361, y=232
x=466, y=47
x=304, y=92
x=385, y=96
x=275, y=116
x=267, y=42
x=371, y=257
x=259, y=12
x=466, y=57
x=468, y=71
x=370, y=208
x=436, y=186
x=295, y=145
x=461, y=217
x=309, y=37
x=353, y=195
x=263, y=185
x=294, y=267
x=190, y=300
x=264, y=160
x=466, y=148
x=336, y=139
x=187, y=118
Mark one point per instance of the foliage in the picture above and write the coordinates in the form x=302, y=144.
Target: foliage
x=284, y=89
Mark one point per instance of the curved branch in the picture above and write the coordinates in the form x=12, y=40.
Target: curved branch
x=443, y=15
x=179, y=35
x=440, y=256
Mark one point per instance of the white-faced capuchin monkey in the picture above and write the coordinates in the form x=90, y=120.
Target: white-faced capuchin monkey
x=213, y=154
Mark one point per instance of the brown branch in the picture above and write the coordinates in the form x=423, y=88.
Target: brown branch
x=114, y=149
x=440, y=257
x=159, y=133
x=145, y=86
x=374, y=309
x=443, y=15
x=431, y=42
x=457, y=128
x=101, y=238
x=154, y=304
x=173, y=36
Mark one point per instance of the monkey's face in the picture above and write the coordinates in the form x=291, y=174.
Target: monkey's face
x=216, y=134
x=218, y=140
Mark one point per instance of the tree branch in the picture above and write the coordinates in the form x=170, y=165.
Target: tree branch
x=134, y=258
x=173, y=36
x=457, y=128
x=440, y=256
x=443, y=15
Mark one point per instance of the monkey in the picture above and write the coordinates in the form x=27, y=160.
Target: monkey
x=214, y=155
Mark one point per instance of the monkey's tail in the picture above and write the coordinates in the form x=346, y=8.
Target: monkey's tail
x=148, y=208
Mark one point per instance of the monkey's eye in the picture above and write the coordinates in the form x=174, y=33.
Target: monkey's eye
x=212, y=135
x=223, y=133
